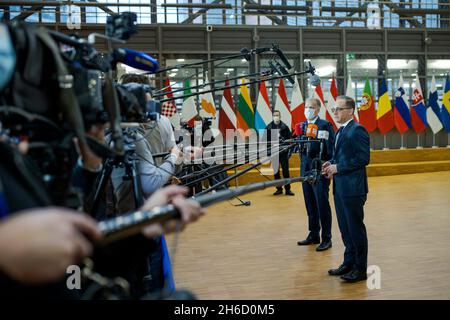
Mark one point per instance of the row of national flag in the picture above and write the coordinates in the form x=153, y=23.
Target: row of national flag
x=398, y=113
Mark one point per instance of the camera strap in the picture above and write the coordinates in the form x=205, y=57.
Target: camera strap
x=67, y=99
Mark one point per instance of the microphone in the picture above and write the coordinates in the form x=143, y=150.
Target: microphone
x=298, y=130
x=311, y=130
x=136, y=59
x=311, y=133
x=281, y=55
x=323, y=135
x=313, y=78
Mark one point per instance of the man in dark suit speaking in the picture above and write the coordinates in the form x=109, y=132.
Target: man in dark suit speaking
x=316, y=196
x=348, y=169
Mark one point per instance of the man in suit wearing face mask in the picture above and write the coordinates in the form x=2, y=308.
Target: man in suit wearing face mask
x=284, y=134
x=316, y=196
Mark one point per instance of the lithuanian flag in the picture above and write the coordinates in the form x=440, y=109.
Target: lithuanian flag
x=245, y=113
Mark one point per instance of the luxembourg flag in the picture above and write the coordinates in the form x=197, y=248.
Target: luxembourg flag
x=418, y=110
x=263, y=114
x=402, y=118
x=433, y=110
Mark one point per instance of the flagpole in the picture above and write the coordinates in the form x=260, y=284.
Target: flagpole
x=402, y=147
x=385, y=144
x=418, y=142
x=448, y=140
x=434, y=142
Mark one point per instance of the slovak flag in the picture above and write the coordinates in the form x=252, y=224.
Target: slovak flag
x=418, y=109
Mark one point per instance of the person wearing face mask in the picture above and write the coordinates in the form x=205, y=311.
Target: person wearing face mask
x=284, y=134
x=316, y=196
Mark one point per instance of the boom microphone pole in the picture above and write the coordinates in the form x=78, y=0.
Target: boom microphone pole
x=127, y=225
x=234, y=86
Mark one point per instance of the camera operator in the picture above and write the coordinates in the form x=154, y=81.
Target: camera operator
x=38, y=241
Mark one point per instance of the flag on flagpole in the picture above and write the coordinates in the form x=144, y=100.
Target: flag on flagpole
x=207, y=106
x=319, y=95
x=298, y=105
x=350, y=92
x=332, y=95
x=418, y=109
x=169, y=108
x=282, y=105
x=445, y=111
x=263, y=113
x=385, y=118
x=245, y=113
x=402, y=117
x=188, y=110
x=433, y=110
x=366, y=112
x=227, y=112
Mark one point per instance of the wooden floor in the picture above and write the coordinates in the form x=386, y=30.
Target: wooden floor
x=251, y=252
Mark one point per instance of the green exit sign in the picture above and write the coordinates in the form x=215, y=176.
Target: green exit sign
x=350, y=56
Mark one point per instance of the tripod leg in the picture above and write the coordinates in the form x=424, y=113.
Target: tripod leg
x=132, y=171
x=104, y=176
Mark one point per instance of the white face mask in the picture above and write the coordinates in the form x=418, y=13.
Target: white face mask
x=309, y=113
x=276, y=119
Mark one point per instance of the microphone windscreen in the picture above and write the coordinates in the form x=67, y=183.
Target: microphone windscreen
x=315, y=80
x=311, y=130
x=323, y=134
x=298, y=130
x=140, y=60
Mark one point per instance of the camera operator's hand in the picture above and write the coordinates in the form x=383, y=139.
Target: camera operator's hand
x=190, y=210
x=89, y=159
x=177, y=152
x=36, y=246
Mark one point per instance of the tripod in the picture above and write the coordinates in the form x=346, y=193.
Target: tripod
x=130, y=162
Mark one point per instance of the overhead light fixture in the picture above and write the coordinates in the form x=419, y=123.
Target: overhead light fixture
x=181, y=60
x=243, y=60
x=230, y=69
x=174, y=70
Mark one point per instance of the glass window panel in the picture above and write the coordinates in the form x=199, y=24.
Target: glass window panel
x=195, y=74
x=363, y=67
x=48, y=14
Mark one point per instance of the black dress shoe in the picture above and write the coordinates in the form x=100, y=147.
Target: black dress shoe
x=308, y=241
x=355, y=276
x=325, y=245
x=341, y=270
x=289, y=193
x=278, y=192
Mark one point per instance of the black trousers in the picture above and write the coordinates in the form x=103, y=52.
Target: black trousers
x=350, y=216
x=318, y=207
x=284, y=164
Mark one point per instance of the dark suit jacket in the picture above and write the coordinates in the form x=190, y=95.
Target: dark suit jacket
x=352, y=155
x=314, y=149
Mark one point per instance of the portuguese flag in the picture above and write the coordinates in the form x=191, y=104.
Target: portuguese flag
x=367, y=114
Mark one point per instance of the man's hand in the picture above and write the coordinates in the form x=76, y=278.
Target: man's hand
x=190, y=210
x=329, y=170
x=37, y=246
x=90, y=160
x=177, y=152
